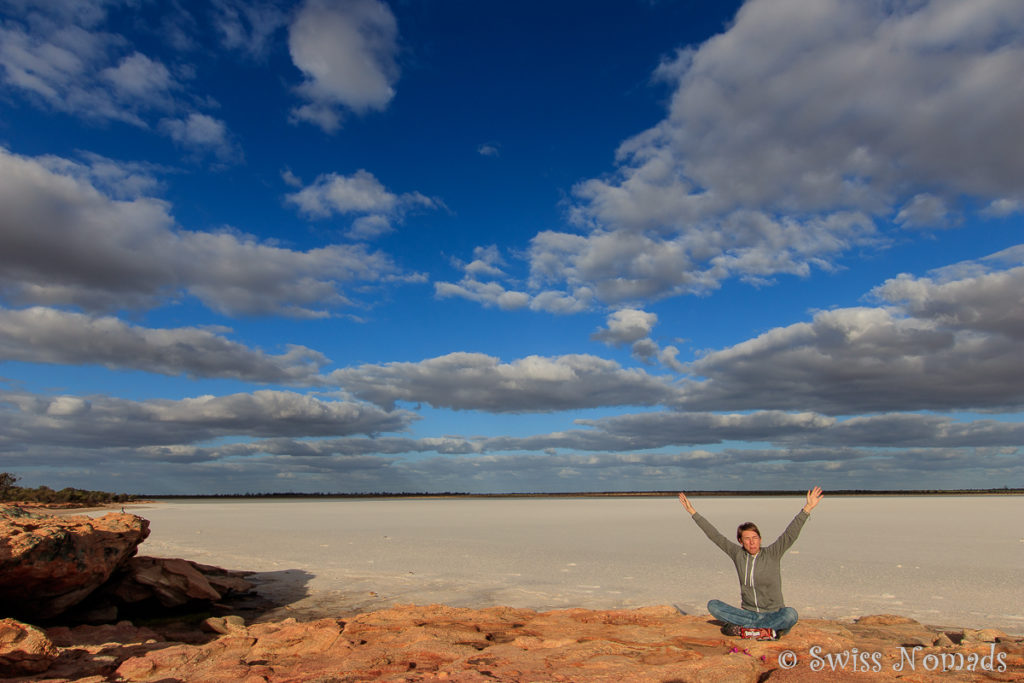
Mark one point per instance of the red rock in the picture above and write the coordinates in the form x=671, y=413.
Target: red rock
x=436, y=642
x=884, y=620
x=171, y=582
x=48, y=563
x=121, y=633
x=24, y=649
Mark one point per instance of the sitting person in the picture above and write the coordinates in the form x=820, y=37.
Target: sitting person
x=762, y=613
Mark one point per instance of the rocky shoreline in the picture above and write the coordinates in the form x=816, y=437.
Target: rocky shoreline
x=81, y=606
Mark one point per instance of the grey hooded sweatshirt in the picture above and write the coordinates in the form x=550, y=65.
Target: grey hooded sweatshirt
x=760, y=575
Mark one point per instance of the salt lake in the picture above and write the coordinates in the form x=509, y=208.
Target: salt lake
x=943, y=560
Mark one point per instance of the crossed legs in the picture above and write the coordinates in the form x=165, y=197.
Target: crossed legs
x=781, y=620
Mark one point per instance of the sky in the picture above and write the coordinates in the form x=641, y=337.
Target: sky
x=451, y=246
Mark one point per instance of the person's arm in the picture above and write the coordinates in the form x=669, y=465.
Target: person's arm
x=814, y=497
x=789, y=536
x=707, y=527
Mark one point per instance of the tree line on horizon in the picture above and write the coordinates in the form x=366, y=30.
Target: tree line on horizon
x=11, y=493
x=1004, y=490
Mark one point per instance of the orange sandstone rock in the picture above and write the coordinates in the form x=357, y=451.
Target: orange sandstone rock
x=24, y=649
x=436, y=643
x=48, y=563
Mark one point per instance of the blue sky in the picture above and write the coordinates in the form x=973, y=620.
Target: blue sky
x=350, y=246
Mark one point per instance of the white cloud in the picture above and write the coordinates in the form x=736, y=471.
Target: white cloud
x=359, y=193
x=203, y=133
x=949, y=343
x=139, y=77
x=486, y=293
x=487, y=262
x=107, y=422
x=118, y=179
x=803, y=131
x=62, y=58
x=926, y=211
x=988, y=300
x=1000, y=208
x=346, y=50
x=487, y=283
x=331, y=193
x=475, y=381
x=626, y=326
x=632, y=327
x=64, y=242
x=46, y=335
x=317, y=114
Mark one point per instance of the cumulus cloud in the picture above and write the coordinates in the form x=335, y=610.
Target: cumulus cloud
x=61, y=56
x=65, y=242
x=115, y=178
x=978, y=295
x=203, y=134
x=486, y=282
x=951, y=342
x=359, y=194
x=139, y=77
x=62, y=65
x=626, y=326
x=800, y=133
x=46, y=335
x=103, y=421
x=475, y=381
x=632, y=327
x=346, y=50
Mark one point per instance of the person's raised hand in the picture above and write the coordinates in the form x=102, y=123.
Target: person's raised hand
x=686, y=503
x=814, y=497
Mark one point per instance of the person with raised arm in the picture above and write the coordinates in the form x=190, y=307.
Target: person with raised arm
x=762, y=613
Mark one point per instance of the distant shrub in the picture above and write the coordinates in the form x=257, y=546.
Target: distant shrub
x=9, y=492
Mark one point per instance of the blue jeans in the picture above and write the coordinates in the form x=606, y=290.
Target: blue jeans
x=782, y=620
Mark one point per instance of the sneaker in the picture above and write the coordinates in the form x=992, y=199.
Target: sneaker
x=759, y=633
x=731, y=630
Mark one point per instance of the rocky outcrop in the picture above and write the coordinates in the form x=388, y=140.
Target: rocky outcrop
x=433, y=643
x=84, y=569
x=24, y=649
x=49, y=564
x=155, y=582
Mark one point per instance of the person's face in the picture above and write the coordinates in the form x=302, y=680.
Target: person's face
x=751, y=541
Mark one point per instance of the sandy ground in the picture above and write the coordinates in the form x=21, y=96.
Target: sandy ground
x=945, y=561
